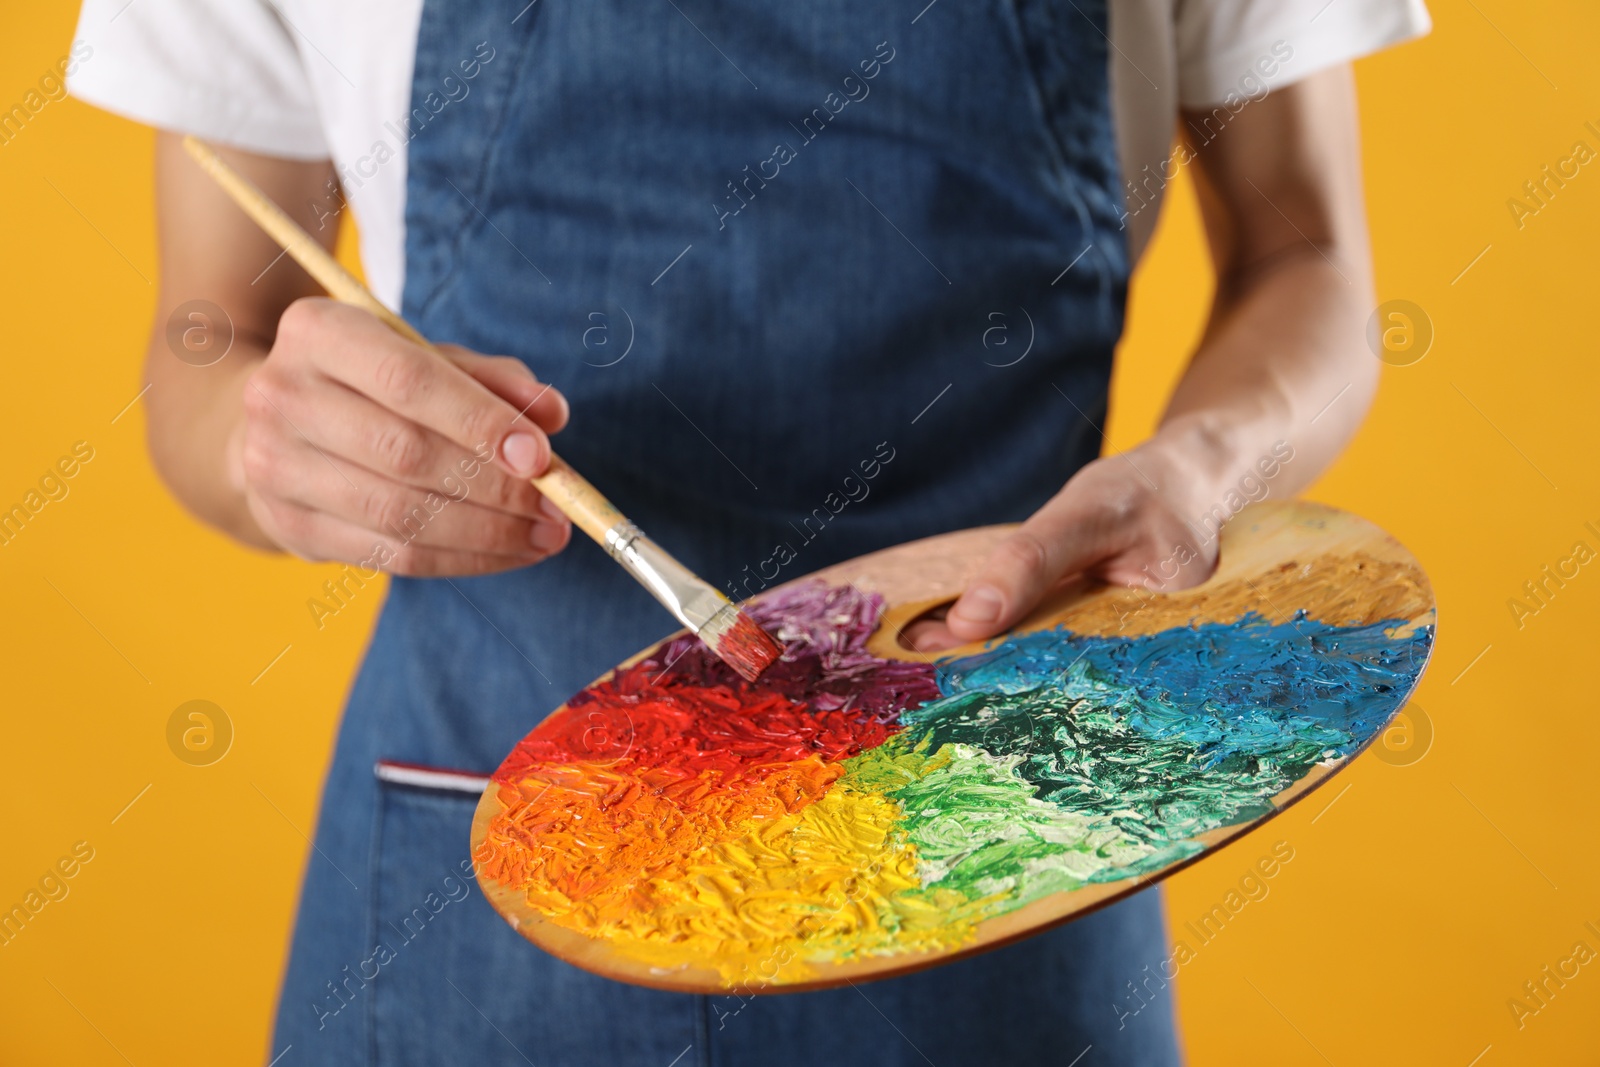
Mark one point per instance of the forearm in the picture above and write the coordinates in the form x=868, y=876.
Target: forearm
x=1283, y=368
x=1280, y=382
x=212, y=254
x=195, y=416
x=1277, y=387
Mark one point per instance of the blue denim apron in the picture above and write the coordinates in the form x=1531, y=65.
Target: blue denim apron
x=764, y=249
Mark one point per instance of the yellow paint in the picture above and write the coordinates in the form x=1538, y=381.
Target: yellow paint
x=757, y=884
x=762, y=923
x=1326, y=588
x=194, y=888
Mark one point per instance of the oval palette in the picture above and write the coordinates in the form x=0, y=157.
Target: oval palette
x=863, y=810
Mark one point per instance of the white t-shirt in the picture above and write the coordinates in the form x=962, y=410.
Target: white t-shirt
x=314, y=79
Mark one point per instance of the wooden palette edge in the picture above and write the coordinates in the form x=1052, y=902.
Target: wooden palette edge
x=959, y=553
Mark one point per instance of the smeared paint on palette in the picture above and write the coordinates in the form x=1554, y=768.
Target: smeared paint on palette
x=858, y=812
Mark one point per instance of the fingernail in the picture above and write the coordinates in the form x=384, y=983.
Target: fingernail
x=520, y=451
x=547, y=507
x=547, y=537
x=981, y=603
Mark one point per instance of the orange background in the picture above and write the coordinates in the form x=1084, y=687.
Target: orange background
x=1414, y=908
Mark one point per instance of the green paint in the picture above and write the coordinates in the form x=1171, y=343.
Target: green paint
x=984, y=840
x=1079, y=746
x=1058, y=760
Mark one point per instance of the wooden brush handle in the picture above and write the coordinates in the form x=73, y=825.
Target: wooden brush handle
x=579, y=500
x=585, y=505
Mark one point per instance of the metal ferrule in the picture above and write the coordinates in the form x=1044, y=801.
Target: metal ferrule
x=680, y=590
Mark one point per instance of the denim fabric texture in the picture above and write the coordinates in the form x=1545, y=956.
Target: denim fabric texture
x=759, y=247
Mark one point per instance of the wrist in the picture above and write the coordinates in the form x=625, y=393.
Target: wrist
x=1210, y=469
x=195, y=434
x=1196, y=458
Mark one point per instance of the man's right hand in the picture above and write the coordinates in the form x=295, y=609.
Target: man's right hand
x=358, y=445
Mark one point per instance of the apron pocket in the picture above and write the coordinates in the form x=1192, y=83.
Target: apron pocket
x=421, y=938
x=449, y=981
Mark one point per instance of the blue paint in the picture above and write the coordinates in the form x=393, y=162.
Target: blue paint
x=1171, y=734
x=1228, y=688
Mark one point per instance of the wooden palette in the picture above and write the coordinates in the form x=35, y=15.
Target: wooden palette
x=1317, y=581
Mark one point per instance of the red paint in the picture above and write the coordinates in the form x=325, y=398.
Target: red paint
x=747, y=648
x=642, y=772
x=683, y=709
x=691, y=728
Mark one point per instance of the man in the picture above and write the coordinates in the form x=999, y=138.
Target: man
x=748, y=247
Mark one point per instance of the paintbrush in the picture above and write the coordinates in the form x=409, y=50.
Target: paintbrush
x=726, y=630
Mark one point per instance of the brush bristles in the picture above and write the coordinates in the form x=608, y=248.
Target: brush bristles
x=744, y=646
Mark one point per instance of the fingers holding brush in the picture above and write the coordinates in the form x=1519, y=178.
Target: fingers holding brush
x=353, y=348
x=445, y=516
x=321, y=536
x=307, y=408
x=510, y=379
x=461, y=397
x=355, y=439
